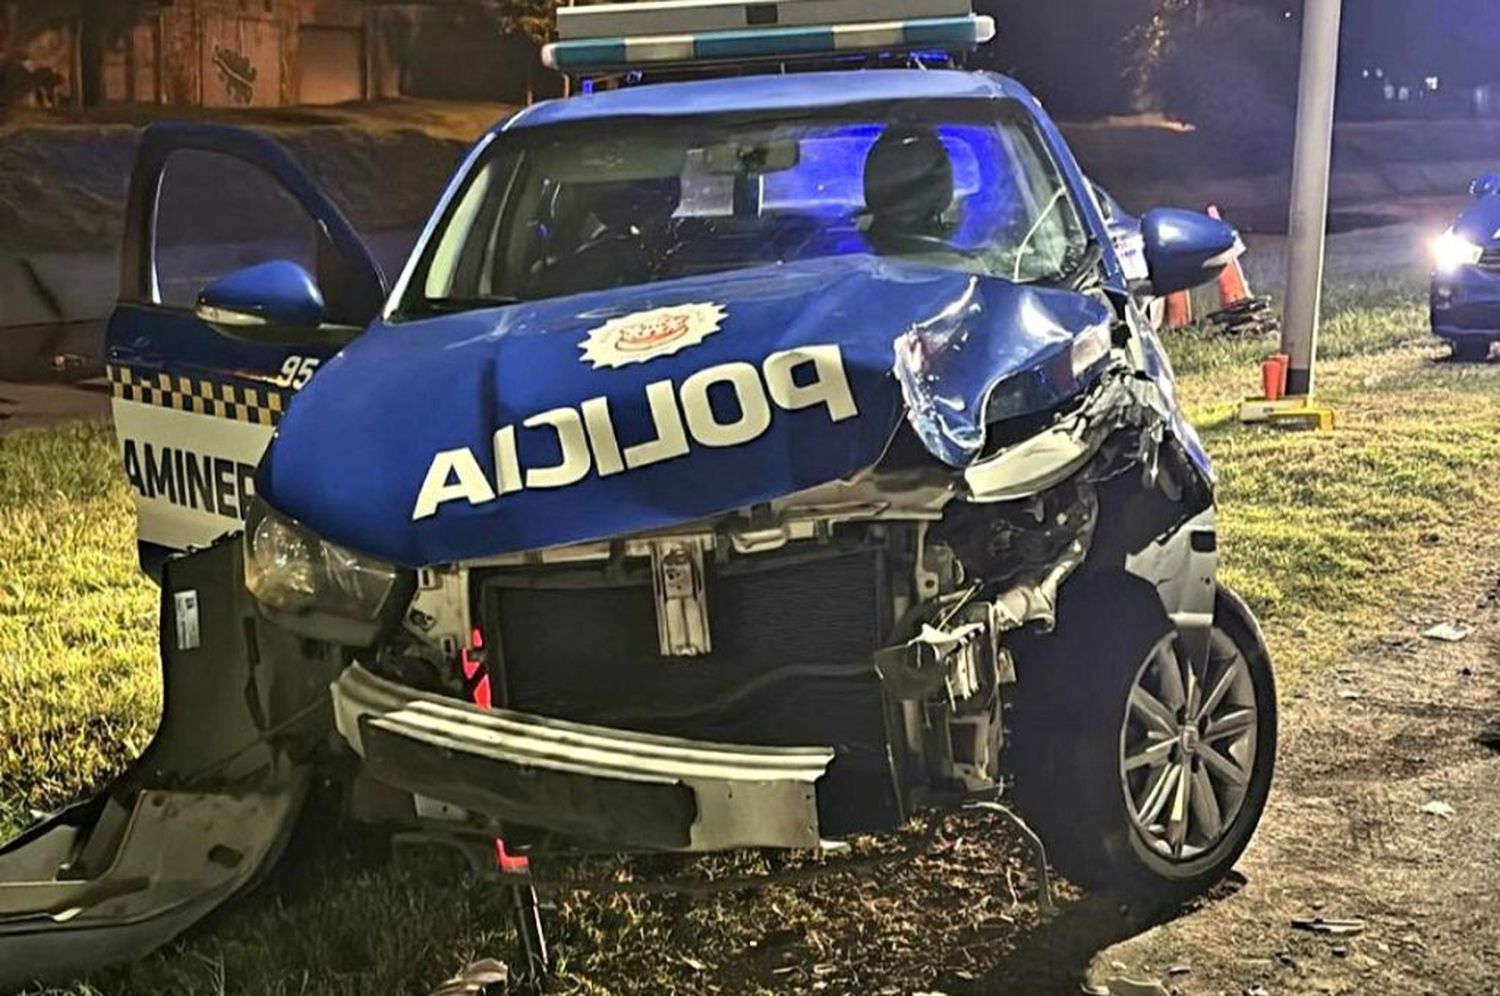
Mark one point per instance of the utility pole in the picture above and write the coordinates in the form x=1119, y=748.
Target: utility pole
x=1312, y=161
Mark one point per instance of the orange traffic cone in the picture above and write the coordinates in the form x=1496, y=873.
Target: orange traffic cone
x=1233, y=288
x=1179, y=310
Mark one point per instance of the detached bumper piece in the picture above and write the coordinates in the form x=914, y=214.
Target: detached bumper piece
x=169, y=860
x=199, y=818
x=630, y=789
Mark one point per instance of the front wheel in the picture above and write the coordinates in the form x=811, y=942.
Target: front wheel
x=1143, y=772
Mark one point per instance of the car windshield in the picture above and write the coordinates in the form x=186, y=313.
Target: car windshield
x=590, y=206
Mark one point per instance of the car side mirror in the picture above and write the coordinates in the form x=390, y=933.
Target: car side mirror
x=276, y=302
x=1186, y=249
x=1485, y=186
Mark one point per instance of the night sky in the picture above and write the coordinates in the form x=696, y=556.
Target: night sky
x=1076, y=55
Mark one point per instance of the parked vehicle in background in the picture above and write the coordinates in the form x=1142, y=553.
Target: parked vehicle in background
x=1465, y=296
x=736, y=463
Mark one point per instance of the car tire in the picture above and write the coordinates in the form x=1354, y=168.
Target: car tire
x=1072, y=727
x=1471, y=350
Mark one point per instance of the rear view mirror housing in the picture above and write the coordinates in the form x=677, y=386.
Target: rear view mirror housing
x=1186, y=249
x=276, y=302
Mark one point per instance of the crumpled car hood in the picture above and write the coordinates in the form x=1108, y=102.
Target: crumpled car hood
x=617, y=412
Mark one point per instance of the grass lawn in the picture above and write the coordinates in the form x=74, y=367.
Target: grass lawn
x=1328, y=536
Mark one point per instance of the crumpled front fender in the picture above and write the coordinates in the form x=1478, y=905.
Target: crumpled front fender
x=200, y=817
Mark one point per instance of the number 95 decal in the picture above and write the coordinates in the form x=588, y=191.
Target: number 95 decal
x=296, y=371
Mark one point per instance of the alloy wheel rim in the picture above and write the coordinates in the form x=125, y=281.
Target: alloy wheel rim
x=1188, y=747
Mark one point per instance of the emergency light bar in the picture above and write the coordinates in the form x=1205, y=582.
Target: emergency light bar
x=616, y=36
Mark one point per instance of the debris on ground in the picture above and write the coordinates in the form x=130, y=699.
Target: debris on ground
x=476, y=980
x=1331, y=926
x=1489, y=735
x=1439, y=809
x=1253, y=317
x=1134, y=987
x=1449, y=632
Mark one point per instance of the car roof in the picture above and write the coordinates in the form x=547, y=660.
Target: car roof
x=793, y=91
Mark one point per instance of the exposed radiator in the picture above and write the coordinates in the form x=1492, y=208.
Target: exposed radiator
x=793, y=635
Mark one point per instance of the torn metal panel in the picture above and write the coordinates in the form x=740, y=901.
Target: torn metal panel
x=207, y=808
x=180, y=857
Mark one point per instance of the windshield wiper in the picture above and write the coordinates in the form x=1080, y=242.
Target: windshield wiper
x=1075, y=276
x=452, y=305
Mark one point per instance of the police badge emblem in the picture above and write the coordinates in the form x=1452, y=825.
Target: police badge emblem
x=647, y=335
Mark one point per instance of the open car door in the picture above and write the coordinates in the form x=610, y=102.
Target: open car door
x=212, y=801
x=194, y=404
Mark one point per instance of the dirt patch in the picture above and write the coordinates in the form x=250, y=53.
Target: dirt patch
x=35, y=406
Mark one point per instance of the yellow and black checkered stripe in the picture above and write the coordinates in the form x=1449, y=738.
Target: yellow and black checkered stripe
x=202, y=396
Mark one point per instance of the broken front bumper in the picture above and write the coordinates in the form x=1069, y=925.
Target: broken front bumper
x=199, y=818
x=170, y=859
x=615, y=786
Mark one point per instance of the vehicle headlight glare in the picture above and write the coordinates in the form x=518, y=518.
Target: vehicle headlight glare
x=290, y=569
x=1452, y=251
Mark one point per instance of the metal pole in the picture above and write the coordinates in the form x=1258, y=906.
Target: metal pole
x=1311, y=163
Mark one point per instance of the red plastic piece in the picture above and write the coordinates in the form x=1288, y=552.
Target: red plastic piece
x=510, y=864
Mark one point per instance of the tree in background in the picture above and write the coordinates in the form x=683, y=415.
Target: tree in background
x=474, y=49
x=1075, y=55
x=1228, y=67
x=536, y=19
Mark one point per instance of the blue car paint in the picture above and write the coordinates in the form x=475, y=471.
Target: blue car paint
x=154, y=340
x=1181, y=244
x=159, y=342
x=1159, y=369
x=279, y=293
x=1465, y=303
x=352, y=453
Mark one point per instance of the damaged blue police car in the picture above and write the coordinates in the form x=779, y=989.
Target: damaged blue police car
x=745, y=461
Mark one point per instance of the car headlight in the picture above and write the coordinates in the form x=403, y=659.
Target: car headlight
x=1452, y=251
x=288, y=568
x=1091, y=347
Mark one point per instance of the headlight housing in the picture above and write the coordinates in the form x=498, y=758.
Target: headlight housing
x=293, y=572
x=1451, y=251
